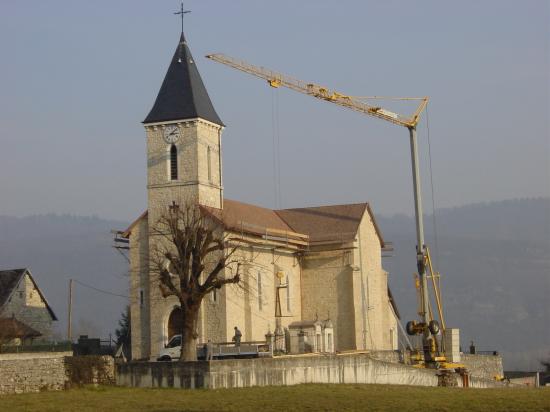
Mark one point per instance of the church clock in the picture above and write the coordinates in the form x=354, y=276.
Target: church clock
x=171, y=133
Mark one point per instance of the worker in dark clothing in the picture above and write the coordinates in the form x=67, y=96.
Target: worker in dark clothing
x=208, y=350
x=237, y=337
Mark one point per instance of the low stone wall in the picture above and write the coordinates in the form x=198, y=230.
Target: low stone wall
x=89, y=370
x=286, y=370
x=483, y=366
x=32, y=372
x=35, y=372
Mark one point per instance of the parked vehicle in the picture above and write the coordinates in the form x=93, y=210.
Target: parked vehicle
x=225, y=350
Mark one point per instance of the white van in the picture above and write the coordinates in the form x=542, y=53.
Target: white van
x=172, y=350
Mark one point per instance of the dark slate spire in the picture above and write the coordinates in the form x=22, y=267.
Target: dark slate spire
x=182, y=94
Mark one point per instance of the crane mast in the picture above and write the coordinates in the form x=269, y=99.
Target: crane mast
x=427, y=327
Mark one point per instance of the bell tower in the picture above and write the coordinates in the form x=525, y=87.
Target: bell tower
x=183, y=140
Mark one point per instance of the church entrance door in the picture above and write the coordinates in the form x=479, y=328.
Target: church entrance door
x=175, y=323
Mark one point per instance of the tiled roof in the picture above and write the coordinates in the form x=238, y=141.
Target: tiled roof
x=249, y=218
x=325, y=223
x=336, y=223
x=9, y=279
x=182, y=94
x=13, y=328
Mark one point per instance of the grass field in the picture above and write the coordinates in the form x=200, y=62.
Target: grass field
x=291, y=398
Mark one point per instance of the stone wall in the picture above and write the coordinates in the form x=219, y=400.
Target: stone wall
x=35, y=372
x=32, y=372
x=483, y=366
x=140, y=296
x=373, y=319
x=327, y=291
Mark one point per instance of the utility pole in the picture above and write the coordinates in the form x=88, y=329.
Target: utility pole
x=69, y=323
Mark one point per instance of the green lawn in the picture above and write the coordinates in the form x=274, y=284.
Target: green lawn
x=282, y=398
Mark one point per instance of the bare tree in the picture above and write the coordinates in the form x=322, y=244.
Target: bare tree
x=190, y=256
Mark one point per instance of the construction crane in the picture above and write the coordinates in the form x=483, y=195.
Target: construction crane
x=428, y=327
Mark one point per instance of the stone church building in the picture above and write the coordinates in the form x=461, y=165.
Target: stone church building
x=314, y=268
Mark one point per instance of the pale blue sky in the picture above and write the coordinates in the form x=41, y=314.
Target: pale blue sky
x=77, y=78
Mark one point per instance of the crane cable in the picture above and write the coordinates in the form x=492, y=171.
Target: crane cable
x=436, y=245
x=276, y=148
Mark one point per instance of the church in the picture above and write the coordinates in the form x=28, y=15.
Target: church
x=313, y=272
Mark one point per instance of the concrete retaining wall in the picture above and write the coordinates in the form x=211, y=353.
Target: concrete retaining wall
x=386, y=355
x=358, y=368
x=289, y=370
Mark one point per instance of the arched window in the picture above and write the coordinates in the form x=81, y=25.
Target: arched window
x=173, y=163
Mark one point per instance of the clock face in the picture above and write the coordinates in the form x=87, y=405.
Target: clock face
x=171, y=133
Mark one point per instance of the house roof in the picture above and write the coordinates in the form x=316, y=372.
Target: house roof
x=13, y=328
x=182, y=94
x=9, y=280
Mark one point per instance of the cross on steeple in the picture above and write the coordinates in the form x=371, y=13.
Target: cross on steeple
x=181, y=13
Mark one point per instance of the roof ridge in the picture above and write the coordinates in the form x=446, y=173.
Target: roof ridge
x=13, y=270
x=332, y=205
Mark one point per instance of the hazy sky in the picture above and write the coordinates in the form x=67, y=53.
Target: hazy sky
x=78, y=77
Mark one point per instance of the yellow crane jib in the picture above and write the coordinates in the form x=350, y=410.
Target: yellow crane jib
x=275, y=79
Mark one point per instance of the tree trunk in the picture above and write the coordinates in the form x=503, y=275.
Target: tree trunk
x=189, y=333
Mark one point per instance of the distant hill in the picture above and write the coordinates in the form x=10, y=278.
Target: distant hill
x=494, y=259
x=58, y=247
x=495, y=265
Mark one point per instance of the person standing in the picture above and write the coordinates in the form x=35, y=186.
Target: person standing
x=208, y=354
x=237, y=337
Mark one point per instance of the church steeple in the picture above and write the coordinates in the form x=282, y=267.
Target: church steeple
x=182, y=95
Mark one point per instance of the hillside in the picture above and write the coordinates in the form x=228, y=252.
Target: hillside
x=494, y=259
x=495, y=265
x=59, y=247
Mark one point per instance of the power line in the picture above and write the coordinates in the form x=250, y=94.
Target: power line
x=100, y=290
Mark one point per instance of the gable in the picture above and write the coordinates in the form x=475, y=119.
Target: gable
x=10, y=280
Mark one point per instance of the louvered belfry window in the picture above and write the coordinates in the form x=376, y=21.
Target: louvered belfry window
x=173, y=163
